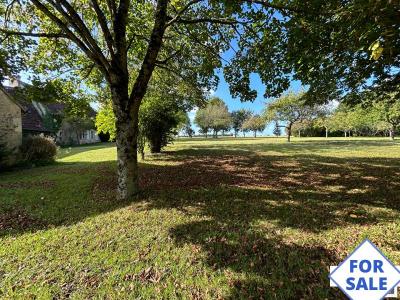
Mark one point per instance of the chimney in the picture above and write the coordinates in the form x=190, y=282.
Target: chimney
x=15, y=81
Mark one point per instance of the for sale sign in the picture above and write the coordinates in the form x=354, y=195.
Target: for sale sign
x=366, y=274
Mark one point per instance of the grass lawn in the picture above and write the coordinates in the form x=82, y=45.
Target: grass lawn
x=227, y=218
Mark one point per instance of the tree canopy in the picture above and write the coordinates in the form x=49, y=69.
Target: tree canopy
x=238, y=118
x=255, y=123
x=214, y=116
x=337, y=48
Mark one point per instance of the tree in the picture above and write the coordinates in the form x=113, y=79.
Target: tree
x=105, y=121
x=215, y=116
x=277, y=130
x=289, y=108
x=159, y=121
x=185, y=125
x=203, y=121
x=238, y=118
x=219, y=115
x=161, y=116
x=387, y=108
x=188, y=130
x=302, y=125
x=340, y=120
x=119, y=45
x=254, y=123
x=323, y=118
x=335, y=47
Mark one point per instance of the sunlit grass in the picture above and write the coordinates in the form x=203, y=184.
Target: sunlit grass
x=227, y=218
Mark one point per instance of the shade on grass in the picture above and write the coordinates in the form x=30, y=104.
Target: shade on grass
x=232, y=218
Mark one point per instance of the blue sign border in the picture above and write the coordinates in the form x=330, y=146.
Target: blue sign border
x=373, y=245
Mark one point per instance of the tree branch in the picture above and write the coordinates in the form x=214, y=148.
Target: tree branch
x=75, y=20
x=112, y=7
x=34, y=34
x=208, y=20
x=150, y=59
x=182, y=11
x=279, y=7
x=164, y=61
x=71, y=35
x=104, y=27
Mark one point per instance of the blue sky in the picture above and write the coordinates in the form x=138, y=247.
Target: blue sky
x=256, y=106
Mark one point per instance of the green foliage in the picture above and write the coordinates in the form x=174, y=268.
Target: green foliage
x=377, y=114
x=185, y=125
x=238, y=118
x=159, y=121
x=214, y=116
x=289, y=108
x=158, y=124
x=105, y=121
x=334, y=47
x=38, y=149
x=254, y=123
x=203, y=120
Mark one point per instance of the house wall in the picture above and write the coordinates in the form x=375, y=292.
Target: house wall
x=10, y=124
x=70, y=135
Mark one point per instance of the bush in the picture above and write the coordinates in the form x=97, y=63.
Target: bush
x=38, y=149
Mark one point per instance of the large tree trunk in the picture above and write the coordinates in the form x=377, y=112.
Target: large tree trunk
x=326, y=132
x=126, y=140
x=255, y=134
x=126, y=107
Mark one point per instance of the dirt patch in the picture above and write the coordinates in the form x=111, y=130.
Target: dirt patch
x=19, y=220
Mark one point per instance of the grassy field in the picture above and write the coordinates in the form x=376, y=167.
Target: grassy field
x=227, y=218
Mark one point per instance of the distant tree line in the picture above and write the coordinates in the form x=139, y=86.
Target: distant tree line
x=215, y=118
x=374, y=115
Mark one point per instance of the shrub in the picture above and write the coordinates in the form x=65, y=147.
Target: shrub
x=38, y=149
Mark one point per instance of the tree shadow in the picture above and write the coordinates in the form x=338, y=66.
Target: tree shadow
x=299, y=145
x=60, y=194
x=231, y=194
x=307, y=193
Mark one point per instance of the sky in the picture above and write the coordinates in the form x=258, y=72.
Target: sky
x=233, y=104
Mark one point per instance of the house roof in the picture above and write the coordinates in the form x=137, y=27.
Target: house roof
x=32, y=121
x=8, y=94
x=31, y=118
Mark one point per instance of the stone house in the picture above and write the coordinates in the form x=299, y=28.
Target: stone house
x=24, y=118
x=39, y=117
x=10, y=125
